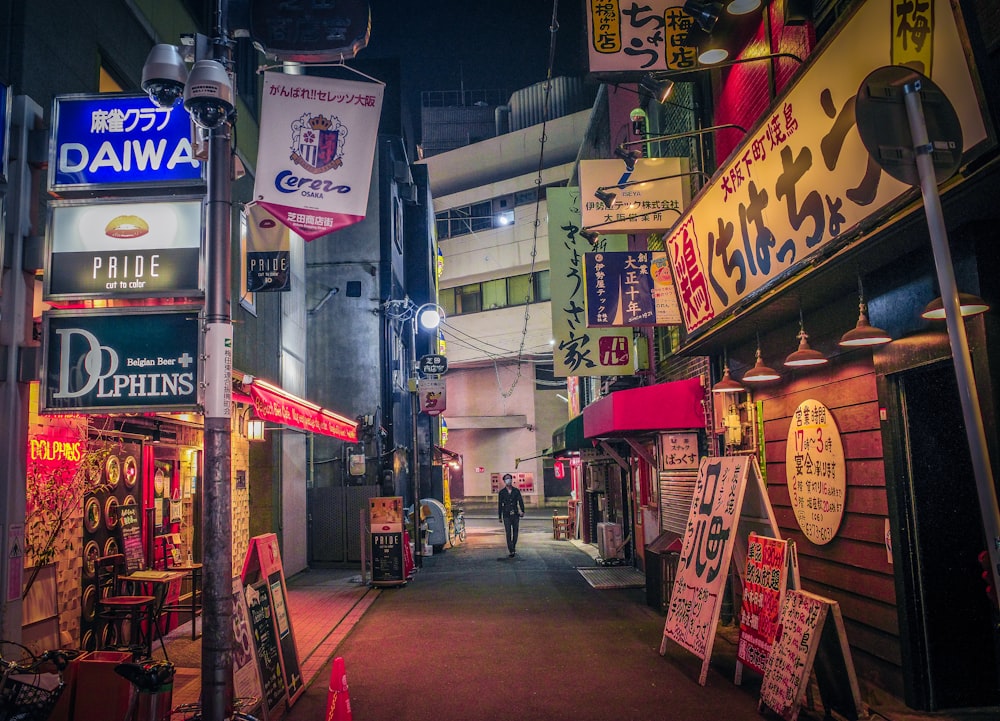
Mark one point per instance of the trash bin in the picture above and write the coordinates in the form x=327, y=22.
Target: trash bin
x=662, y=556
x=432, y=511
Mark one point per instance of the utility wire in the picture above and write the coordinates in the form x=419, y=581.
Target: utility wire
x=553, y=31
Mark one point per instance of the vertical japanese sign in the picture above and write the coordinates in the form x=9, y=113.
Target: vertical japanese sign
x=763, y=592
x=629, y=289
x=706, y=553
x=316, y=151
x=816, y=471
x=624, y=36
x=802, y=179
x=579, y=351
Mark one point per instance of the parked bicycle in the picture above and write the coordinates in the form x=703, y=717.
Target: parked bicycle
x=31, y=685
x=456, y=526
x=192, y=711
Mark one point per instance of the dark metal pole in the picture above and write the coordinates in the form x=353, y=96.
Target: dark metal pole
x=967, y=390
x=217, y=612
x=418, y=551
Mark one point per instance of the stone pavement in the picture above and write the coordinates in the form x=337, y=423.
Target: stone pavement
x=323, y=606
x=476, y=635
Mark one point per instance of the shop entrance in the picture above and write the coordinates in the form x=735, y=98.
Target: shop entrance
x=952, y=649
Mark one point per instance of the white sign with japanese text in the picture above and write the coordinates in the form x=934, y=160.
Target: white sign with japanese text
x=802, y=178
x=317, y=145
x=655, y=184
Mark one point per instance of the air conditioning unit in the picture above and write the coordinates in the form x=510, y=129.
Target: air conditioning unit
x=609, y=541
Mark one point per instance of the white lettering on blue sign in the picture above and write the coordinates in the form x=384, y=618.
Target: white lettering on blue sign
x=130, y=155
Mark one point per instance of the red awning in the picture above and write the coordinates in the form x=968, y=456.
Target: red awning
x=273, y=404
x=661, y=407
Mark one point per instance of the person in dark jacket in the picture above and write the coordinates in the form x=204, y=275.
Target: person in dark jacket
x=510, y=506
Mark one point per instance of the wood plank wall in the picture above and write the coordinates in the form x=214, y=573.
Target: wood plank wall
x=853, y=568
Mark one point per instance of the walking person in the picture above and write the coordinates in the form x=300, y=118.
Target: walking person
x=510, y=506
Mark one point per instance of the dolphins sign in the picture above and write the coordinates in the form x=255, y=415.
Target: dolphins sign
x=124, y=360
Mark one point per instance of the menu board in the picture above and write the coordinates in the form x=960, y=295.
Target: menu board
x=246, y=672
x=812, y=638
x=286, y=638
x=763, y=591
x=265, y=644
x=262, y=571
x=727, y=488
x=387, y=559
x=128, y=520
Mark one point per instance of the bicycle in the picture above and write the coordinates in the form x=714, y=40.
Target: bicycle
x=456, y=527
x=30, y=687
x=194, y=709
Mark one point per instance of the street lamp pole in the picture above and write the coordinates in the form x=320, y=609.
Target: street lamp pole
x=217, y=610
x=418, y=551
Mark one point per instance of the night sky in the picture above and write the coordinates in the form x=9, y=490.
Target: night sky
x=484, y=45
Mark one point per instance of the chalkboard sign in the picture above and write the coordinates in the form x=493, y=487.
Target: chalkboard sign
x=128, y=521
x=387, y=559
x=286, y=638
x=266, y=645
x=246, y=670
x=812, y=639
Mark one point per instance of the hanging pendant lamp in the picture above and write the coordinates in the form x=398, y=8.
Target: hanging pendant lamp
x=864, y=334
x=726, y=384
x=760, y=373
x=804, y=356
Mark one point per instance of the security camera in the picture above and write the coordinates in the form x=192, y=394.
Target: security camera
x=164, y=75
x=208, y=95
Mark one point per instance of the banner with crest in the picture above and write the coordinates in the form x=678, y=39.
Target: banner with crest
x=317, y=145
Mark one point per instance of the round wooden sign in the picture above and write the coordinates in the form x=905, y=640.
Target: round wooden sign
x=815, y=471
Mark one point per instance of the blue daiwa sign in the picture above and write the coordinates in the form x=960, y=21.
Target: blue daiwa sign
x=112, y=141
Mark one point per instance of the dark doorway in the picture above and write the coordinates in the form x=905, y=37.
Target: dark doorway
x=953, y=660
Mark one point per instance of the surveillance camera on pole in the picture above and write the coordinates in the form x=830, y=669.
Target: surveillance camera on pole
x=208, y=95
x=164, y=75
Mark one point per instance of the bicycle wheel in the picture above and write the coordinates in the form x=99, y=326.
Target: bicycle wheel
x=451, y=534
x=461, y=531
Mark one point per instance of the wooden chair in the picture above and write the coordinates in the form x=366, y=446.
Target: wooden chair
x=120, y=609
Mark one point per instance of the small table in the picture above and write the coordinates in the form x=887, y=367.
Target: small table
x=192, y=571
x=560, y=528
x=157, y=582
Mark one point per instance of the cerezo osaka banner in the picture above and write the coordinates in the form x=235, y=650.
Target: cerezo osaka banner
x=317, y=145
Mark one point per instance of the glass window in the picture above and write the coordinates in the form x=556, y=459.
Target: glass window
x=519, y=289
x=494, y=294
x=542, y=291
x=482, y=216
x=469, y=299
x=446, y=298
x=442, y=225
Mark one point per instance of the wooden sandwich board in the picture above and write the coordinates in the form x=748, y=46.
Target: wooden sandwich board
x=812, y=640
x=729, y=501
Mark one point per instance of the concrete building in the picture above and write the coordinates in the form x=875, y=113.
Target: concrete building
x=489, y=202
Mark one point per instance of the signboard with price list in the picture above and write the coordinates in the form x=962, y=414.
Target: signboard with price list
x=729, y=501
x=812, y=639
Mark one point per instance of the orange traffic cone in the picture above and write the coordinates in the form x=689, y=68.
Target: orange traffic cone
x=338, y=700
